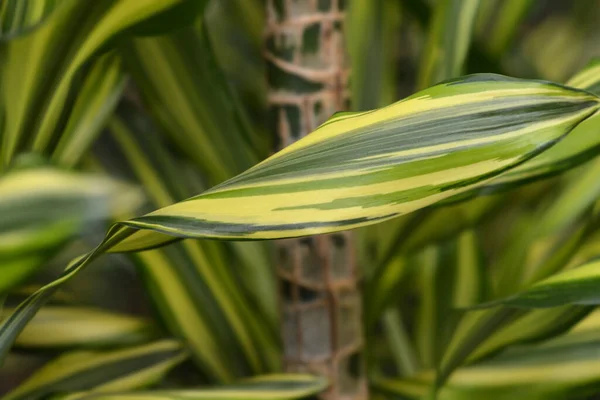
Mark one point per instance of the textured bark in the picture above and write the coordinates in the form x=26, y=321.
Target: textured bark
x=320, y=297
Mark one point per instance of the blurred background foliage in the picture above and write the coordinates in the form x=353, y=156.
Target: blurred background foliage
x=113, y=109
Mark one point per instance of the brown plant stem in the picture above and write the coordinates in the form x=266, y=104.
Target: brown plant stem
x=319, y=279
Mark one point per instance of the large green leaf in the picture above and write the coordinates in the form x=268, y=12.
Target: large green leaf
x=266, y=387
x=62, y=327
x=361, y=168
x=102, y=371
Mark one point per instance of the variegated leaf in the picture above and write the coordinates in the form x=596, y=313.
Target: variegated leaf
x=361, y=168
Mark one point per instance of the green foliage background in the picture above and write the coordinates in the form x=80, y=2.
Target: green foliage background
x=113, y=109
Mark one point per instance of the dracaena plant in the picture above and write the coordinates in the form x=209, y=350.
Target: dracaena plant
x=475, y=195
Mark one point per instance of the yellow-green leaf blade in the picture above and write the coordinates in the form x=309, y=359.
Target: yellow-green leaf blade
x=577, y=148
x=184, y=90
x=560, y=368
x=588, y=78
x=448, y=40
x=59, y=327
x=267, y=387
x=40, y=66
x=113, y=370
x=580, y=285
x=18, y=16
x=96, y=100
x=359, y=169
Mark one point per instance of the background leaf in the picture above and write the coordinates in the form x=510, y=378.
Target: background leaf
x=275, y=387
x=124, y=369
x=63, y=327
x=448, y=41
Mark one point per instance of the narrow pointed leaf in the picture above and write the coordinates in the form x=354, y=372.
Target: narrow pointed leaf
x=451, y=275
x=61, y=327
x=582, y=145
x=429, y=226
x=470, y=281
x=186, y=93
x=554, y=234
x=115, y=370
x=507, y=20
x=588, y=78
x=96, y=100
x=532, y=326
x=436, y=316
x=561, y=368
x=400, y=344
x=170, y=292
x=373, y=64
x=267, y=387
x=448, y=41
x=361, y=168
x=580, y=285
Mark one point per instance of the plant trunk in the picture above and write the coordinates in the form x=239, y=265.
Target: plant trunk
x=318, y=276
